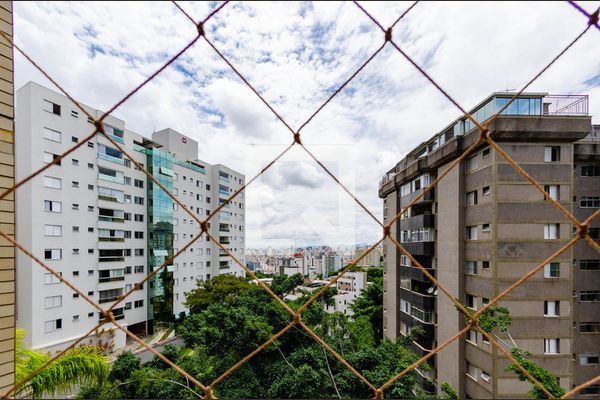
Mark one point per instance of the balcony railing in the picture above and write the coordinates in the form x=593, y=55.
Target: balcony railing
x=111, y=279
x=109, y=178
x=111, y=259
x=108, y=299
x=110, y=219
x=111, y=158
x=111, y=239
x=565, y=105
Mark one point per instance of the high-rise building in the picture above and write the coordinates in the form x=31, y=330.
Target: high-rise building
x=104, y=225
x=483, y=227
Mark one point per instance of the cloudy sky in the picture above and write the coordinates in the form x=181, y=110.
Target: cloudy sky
x=296, y=55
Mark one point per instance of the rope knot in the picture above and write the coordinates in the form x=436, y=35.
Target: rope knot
x=201, y=28
x=583, y=230
x=388, y=35
x=297, y=138
x=594, y=17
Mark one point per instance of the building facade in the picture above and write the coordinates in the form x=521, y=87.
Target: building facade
x=98, y=220
x=483, y=227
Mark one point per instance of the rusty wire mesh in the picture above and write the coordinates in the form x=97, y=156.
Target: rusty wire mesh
x=485, y=136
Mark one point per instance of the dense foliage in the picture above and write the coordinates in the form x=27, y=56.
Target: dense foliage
x=80, y=365
x=231, y=317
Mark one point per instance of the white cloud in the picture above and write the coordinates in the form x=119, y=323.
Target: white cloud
x=296, y=54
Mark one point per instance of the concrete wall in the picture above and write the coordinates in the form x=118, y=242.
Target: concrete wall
x=450, y=261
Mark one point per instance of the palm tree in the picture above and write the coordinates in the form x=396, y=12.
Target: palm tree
x=80, y=365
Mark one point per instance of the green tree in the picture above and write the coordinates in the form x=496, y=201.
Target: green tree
x=221, y=288
x=369, y=304
x=78, y=366
x=124, y=366
x=283, y=285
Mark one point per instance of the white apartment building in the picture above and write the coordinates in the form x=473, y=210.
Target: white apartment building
x=102, y=224
x=349, y=286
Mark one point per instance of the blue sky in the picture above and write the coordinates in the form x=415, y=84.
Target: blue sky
x=296, y=54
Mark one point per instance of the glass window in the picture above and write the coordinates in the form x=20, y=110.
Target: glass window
x=523, y=106
x=52, y=135
x=551, y=308
x=551, y=231
x=551, y=346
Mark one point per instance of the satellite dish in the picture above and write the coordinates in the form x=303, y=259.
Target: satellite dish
x=430, y=290
x=435, y=293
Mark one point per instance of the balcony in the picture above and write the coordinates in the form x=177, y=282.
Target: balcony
x=420, y=248
x=111, y=158
x=428, y=334
x=115, y=179
x=111, y=279
x=111, y=259
x=108, y=299
x=418, y=221
x=428, y=197
x=111, y=239
x=106, y=218
x=224, y=240
x=422, y=301
x=416, y=273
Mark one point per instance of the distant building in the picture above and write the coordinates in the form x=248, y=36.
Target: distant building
x=373, y=259
x=331, y=263
x=349, y=287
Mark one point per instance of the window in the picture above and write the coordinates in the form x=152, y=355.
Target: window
x=139, y=252
x=138, y=217
x=471, y=164
x=52, y=230
x=471, y=301
x=53, y=325
x=471, y=267
x=551, y=153
x=128, y=305
x=485, y=264
x=51, y=107
x=594, y=233
x=551, y=308
x=485, y=153
x=90, y=144
x=486, y=190
x=472, y=232
x=472, y=198
x=138, y=303
x=52, y=135
x=50, y=157
x=53, y=183
x=138, y=200
x=52, y=301
x=91, y=187
x=138, y=183
x=590, y=170
x=552, y=270
x=53, y=254
x=138, y=269
x=74, y=161
x=553, y=192
x=51, y=279
x=551, y=346
x=472, y=336
x=74, y=139
x=589, y=202
x=75, y=206
x=139, y=235
x=551, y=231
x=589, y=265
x=74, y=114
x=472, y=371
x=589, y=295
x=52, y=206
x=589, y=359
x=485, y=376
x=589, y=327
x=485, y=227
x=75, y=318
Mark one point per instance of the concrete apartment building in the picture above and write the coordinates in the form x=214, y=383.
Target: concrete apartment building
x=98, y=220
x=483, y=227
